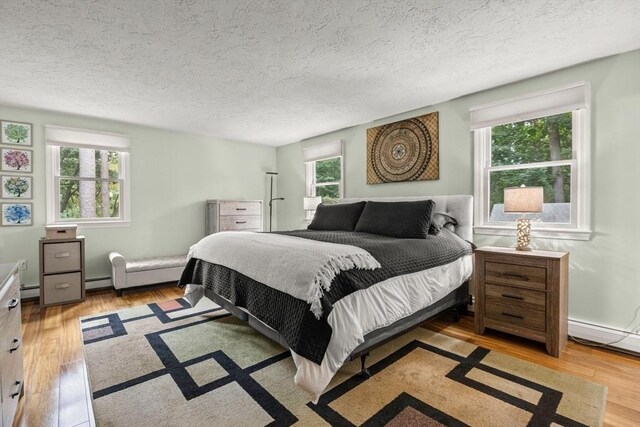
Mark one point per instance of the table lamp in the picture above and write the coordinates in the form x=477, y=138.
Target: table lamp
x=523, y=200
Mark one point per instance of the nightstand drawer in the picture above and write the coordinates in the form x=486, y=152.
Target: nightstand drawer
x=240, y=208
x=516, y=275
x=518, y=297
x=239, y=222
x=59, y=257
x=515, y=316
x=61, y=288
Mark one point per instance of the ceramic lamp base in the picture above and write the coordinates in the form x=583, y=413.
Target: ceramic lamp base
x=523, y=234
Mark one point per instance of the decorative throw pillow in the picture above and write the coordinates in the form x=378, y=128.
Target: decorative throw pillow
x=405, y=220
x=440, y=221
x=343, y=217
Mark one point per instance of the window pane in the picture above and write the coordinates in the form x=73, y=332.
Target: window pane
x=69, y=198
x=555, y=181
x=329, y=193
x=89, y=199
x=536, y=140
x=107, y=163
x=328, y=170
x=69, y=161
x=89, y=163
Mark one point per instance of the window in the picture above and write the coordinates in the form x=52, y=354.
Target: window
x=535, y=140
x=324, y=172
x=87, y=177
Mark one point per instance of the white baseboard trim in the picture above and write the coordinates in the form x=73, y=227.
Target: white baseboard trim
x=34, y=290
x=602, y=335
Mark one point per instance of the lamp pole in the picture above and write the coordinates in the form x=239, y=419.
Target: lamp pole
x=271, y=199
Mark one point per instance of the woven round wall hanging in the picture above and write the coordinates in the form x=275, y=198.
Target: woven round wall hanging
x=403, y=151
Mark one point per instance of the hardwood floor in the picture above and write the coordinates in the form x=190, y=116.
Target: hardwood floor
x=55, y=376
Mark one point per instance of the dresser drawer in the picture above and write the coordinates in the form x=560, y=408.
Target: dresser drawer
x=11, y=388
x=517, y=297
x=511, y=315
x=61, y=288
x=12, y=383
x=9, y=302
x=516, y=275
x=59, y=257
x=240, y=222
x=240, y=208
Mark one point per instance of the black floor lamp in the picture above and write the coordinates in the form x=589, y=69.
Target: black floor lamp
x=271, y=199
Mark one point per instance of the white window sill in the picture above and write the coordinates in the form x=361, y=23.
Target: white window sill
x=95, y=224
x=539, y=233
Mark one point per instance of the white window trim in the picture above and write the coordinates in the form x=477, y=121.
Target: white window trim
x=57, y=137
x=580, y=227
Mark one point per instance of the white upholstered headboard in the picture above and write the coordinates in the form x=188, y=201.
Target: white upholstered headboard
x=460, y=207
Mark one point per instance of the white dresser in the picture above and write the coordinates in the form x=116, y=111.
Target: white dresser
x=233, y=215
x=11, y=368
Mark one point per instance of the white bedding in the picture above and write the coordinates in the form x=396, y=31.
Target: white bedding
x=373, y=308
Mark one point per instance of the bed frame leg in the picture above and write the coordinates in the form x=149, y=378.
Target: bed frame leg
x=364, y=372
x=119, y=292
x=458, y=310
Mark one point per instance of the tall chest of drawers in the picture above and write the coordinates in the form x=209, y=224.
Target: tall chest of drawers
x=233, y=215
x=523, y=293
x=61, y=271
x=11, y=368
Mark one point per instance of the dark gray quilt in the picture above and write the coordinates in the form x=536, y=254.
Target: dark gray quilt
x=291, y=317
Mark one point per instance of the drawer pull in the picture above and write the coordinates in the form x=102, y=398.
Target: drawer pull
x=241, y=222
x=241, y=209
x=16, y=342
x=63, y=255
x=515, y=275
x=517, y=316
x=513, y=297
x=62, y=286
x=13, y=303
x=17, y=392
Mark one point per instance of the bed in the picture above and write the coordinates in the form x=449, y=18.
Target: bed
x=361, y=308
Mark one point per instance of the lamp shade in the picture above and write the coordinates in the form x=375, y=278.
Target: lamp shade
x=311, y=203
x=523, y=199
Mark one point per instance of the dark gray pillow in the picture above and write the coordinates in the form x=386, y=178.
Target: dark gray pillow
x=405, y=220
x=442, y=220
x=342, y=217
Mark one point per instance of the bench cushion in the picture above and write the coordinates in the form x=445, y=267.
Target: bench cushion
x=156, y=263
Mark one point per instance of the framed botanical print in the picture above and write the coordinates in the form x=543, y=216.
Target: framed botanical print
x=17, y=214
x=15, y=133
x=16, y=160
x=16, y=186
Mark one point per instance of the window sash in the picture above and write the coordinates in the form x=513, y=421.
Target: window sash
x=122, y=203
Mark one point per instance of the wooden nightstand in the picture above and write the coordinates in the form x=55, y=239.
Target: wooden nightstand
x=523, y=293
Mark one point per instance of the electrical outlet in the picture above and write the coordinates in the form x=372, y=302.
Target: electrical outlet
x=22, y=264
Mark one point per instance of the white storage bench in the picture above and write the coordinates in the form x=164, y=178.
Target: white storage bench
x=129, y=274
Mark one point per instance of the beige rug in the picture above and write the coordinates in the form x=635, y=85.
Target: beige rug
x=166, y=364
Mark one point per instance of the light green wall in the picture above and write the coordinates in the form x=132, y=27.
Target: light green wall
x=605, y=271
x=172, y=174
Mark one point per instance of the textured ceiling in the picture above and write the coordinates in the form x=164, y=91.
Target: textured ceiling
x=274, y=72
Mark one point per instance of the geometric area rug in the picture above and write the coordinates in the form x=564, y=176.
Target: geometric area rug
x=167, y=364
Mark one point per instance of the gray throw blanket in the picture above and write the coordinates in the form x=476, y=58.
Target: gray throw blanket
x=299, y=267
